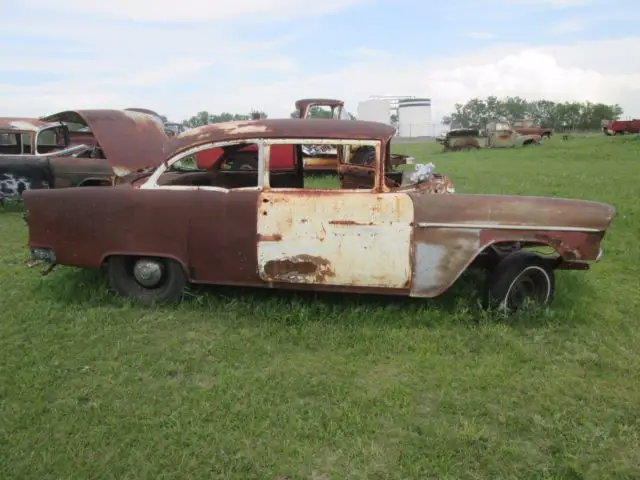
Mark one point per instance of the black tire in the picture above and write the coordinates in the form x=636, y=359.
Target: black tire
x=518, y=270
x=122, y=280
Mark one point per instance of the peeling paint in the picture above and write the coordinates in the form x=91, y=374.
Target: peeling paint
x=440, y=256
x=347, y=230
x=242, y=127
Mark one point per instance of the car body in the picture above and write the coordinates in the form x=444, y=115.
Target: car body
x=321, y=159
x=529, y=127
x=382, y=232
x=78, y=148
x=30, y=136
x=620, y=127
x=497, y=135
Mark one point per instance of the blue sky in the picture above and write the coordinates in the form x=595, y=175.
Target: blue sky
x=179, y=57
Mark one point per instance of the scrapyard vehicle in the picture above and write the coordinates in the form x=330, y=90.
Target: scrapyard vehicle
x=381, y=232
x=323, y=158
x=497, y=135
x=529, y=127
x=76, y=148
x=620, y=127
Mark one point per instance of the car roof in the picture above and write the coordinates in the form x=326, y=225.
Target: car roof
x=21, y=124
x=303, y=102
x=311, y=128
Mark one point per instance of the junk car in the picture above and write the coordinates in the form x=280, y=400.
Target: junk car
x=398, y=233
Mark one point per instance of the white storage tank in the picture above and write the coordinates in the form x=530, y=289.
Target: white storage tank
x=375, y=110
x=414, y=117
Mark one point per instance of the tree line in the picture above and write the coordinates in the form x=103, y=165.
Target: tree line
x=477, y=112
x=205, y=118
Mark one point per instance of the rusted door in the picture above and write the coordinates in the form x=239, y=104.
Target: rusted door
x=222, y=237
x=504, y=138
x=335, y=237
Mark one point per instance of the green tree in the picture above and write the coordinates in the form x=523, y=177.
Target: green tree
x=205, y=118
x=476, y=113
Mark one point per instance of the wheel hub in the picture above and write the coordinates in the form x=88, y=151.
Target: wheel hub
x=148, y=273
x=532, y=286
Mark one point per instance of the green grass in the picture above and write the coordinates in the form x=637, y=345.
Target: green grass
x=252, y=384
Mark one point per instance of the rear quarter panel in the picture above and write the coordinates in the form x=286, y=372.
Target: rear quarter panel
x=451, y=230
x=85, y=225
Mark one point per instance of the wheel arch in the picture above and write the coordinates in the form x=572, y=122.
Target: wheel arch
x=95, y=182
x=167, y=256
x=479, y=256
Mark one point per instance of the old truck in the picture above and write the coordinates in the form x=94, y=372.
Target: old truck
x=529, y=127
x=497, y=135
x=382, y=231
x=320, y=158
x=620, y=127
x=75, y=148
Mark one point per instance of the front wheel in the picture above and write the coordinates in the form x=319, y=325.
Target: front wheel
x=519, y=279
x=146, y=280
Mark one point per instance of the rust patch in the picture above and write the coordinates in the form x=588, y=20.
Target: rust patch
x=349, y=222
x=270, y=238
x=308, y=266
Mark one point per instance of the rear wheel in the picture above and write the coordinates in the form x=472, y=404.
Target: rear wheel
x=147, y=280
x=519, y=279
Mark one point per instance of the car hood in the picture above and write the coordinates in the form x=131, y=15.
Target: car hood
x=130, y=140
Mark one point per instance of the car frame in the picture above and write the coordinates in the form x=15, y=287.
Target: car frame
x=379, y=233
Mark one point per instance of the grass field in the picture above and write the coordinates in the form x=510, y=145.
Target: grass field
x=252, y=384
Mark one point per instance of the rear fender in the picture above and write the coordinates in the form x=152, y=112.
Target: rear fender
x=442, y=255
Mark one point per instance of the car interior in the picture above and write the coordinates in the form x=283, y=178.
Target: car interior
x=357, y=173
x=49, y=140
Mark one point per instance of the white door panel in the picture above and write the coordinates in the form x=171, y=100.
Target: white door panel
x=335, y=238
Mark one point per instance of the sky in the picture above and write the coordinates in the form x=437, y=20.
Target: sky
x=183, y=56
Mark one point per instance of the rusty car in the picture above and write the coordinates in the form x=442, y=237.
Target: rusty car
x=496, y=135
x=75, y=148
x=527, y=126
x=320, y=159
x=323, y=158
x=381, y=231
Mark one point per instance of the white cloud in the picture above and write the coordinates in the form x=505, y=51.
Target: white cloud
x=178, y=70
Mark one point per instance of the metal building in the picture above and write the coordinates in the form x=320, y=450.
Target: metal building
x=414, y=117
x=375, y=110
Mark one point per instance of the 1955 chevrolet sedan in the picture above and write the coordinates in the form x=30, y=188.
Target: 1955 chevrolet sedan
x=383, y=231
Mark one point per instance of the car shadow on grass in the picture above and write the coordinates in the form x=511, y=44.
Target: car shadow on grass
x=459, y=305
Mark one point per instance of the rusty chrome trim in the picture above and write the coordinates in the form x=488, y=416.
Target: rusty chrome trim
x=600, y=253
x=500, y=226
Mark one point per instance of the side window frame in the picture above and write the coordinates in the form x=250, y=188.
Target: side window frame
x=152, y=181
x=378, y=166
